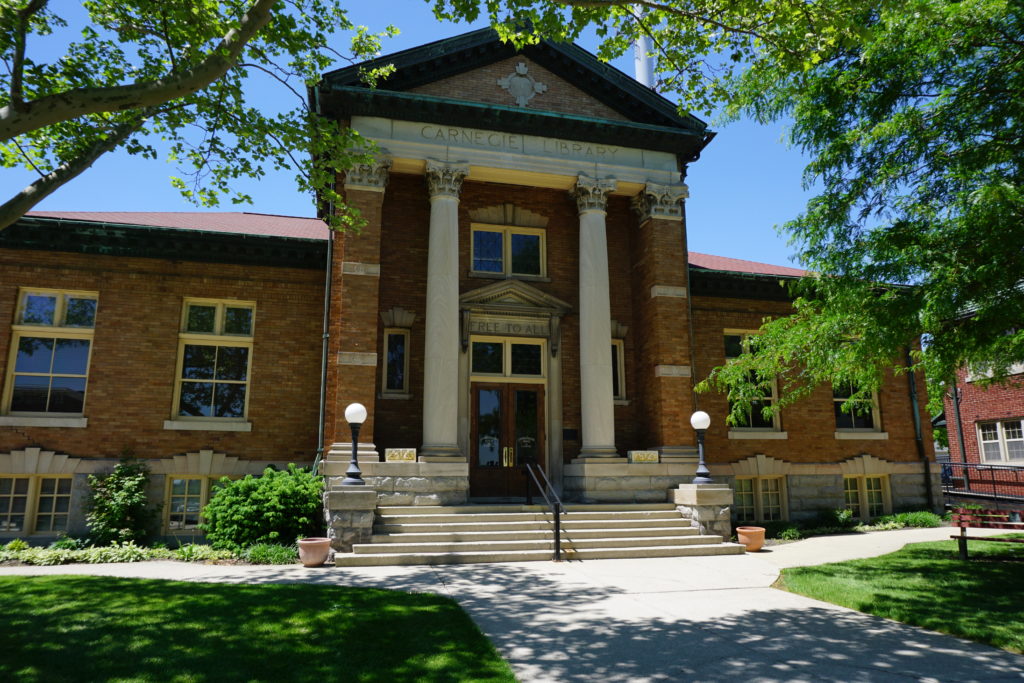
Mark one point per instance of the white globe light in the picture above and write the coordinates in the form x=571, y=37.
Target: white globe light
x=355, y=413
x=700, y=420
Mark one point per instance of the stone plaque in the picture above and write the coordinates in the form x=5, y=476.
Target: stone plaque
x=643, y=456
x=399, y=455
x=510, y=328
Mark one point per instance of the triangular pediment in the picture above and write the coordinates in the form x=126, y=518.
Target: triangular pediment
x=455, y=68
x=513, y=296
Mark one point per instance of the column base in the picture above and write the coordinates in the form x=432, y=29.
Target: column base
x=440, y=453
x=599, y=452
x=343, y=451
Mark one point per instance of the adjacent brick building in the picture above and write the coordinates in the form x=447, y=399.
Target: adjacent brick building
x=522, y=292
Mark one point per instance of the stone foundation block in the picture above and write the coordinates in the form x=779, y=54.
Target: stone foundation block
x=349, y=514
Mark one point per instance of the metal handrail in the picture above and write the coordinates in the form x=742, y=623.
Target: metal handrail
x=984, y=480
x=557, y=508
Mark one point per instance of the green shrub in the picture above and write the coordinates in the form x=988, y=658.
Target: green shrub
x=790, y=534
x=17, y=545
x=118, y=510
x=835, y=521
x=277, y=507
x=67, y=543
x=193, y=552
x=920, y=519
x=115, y=552
x=270, y=553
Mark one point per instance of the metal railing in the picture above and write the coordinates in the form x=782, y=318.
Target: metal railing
x=989, y=482
x=557, y=508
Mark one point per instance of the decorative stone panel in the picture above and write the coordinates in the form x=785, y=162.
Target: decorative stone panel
x=37, y=461
x=760, y=465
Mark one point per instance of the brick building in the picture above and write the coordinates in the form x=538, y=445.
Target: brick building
x=986, y=438
x=522, y=292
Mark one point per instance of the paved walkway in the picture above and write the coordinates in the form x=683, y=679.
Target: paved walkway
x=673, y=619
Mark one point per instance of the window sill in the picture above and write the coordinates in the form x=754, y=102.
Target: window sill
x=862, y=435
x=59, y=422
x=743, y=434
x=394, y=397
x=198, y=426
x=621, y=401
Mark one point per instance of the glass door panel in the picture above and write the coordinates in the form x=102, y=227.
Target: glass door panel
x=488, y=434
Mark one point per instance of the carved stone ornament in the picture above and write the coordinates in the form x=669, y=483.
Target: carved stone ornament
x=521, y=85
x=445, y=179
x=661, y=201
x=398, y=317
x=619, y=330
x=592, y=194
x=372, y=176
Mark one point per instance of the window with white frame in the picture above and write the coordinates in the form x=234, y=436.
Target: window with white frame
x=214, y=360
x=395, y=378
x=496, y=357
x=34, y=504
x=186, y=497
x=508, y=251
x=618, y=370
x=862, y=415
x=1002, y=441
x=759, y=499
x=735, y=344
x=866, y=496
x=48, y=368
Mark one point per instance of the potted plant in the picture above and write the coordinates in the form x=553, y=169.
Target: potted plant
x=750, y=536
x=313, y=552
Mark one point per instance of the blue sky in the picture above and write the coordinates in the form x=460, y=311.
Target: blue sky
x=746, y=182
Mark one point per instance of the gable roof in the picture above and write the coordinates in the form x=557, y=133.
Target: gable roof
x=735, y=265
x=654, y=122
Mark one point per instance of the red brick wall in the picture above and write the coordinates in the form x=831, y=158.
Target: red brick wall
x=134, y=355
x=977, y=405
x=481, y=85
x=810, y=422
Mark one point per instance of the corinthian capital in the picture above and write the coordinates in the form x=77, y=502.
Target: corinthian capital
x=661, y=201
x=445, y=179
x=372, y=177
x=591, y=194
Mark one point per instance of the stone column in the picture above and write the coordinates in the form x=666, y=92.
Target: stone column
x=355, y=304
x=441, y=353
x=597, y=402
x=663, y=320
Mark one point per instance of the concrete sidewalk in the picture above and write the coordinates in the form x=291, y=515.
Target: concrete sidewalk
x=672, y=619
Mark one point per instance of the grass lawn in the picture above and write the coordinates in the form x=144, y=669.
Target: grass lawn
x=927, y=585
x=95, y=628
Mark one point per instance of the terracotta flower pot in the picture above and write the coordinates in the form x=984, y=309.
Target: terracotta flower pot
x=313, y=552
x=750, y=536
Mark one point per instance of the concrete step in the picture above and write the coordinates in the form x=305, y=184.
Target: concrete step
x=475, y=557
x=531, y=534
x=504, y=507
x=524, y=516
x=523, y=526
x=532, y=544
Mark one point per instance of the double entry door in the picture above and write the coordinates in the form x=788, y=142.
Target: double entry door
x=507, y=432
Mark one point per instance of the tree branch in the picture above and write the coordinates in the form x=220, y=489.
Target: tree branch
x=75, y=103
x=18, y=67
x=16, y=206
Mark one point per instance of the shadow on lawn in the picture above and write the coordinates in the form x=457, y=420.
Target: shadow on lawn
x=550, y=624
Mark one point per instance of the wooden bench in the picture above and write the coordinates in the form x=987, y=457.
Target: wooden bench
x=986, y=519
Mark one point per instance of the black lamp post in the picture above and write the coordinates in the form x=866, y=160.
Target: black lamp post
x=355, y=414
x=700, y=421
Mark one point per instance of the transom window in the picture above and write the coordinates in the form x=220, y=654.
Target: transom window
x=214, y=357
x=862, y=415
x=759, y=499
x=866, y=496
x=507, y=358
x=1002, y=441
x=508, y=251
x=50, y=350
x=754, y=419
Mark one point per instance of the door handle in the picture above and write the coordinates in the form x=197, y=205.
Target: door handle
x=508, y=456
